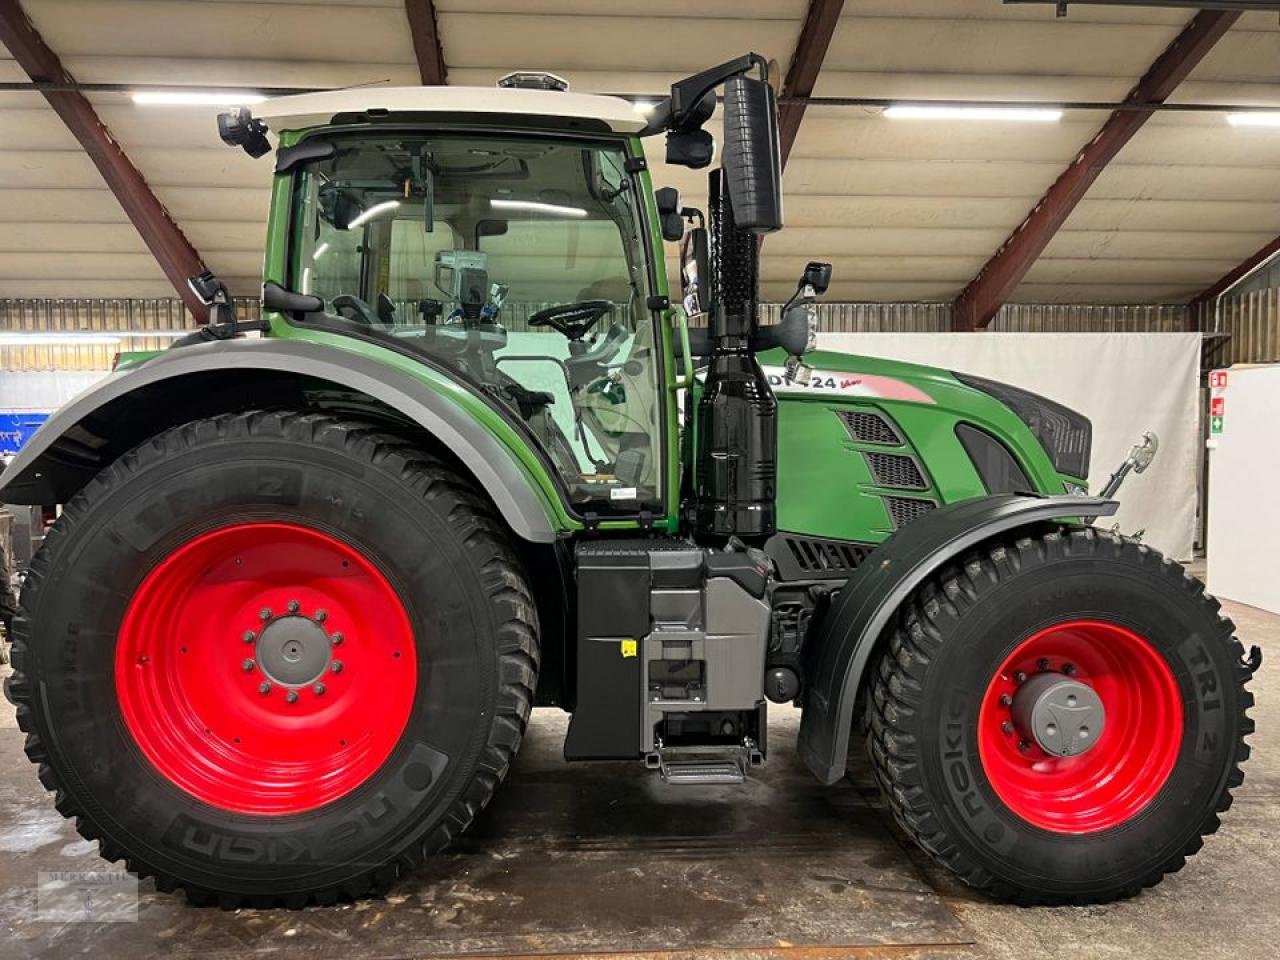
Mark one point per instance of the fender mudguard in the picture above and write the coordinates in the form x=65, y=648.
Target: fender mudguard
x=836, y=655
x=60, y=458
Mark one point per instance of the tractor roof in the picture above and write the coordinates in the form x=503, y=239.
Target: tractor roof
x=316, y=109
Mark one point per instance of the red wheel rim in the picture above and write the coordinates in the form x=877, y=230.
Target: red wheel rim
x=1135, y=753
x=266, y=668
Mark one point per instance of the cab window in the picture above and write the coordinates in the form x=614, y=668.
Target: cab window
x=519, y=265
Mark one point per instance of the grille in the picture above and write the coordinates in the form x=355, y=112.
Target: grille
x=869, y=428
x=895, y=470
x=811, y=557
x=905, y=509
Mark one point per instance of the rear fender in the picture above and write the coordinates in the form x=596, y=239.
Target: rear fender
x=76, y=441
x=837, y=653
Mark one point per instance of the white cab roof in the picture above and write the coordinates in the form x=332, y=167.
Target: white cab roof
x=313, y=109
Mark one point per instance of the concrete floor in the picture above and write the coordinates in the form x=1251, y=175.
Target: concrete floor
x=605, y=859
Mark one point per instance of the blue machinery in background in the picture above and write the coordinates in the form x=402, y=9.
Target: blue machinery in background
x=17, y=428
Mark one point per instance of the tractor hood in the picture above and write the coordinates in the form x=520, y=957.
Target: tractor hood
x=1037, y=429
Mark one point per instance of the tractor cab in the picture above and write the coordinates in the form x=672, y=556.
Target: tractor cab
x=518, y=264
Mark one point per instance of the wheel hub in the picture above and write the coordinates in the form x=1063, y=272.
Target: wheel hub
x=1080, y=726
x=293, y=651
x=293, y=686
x=1063, y=716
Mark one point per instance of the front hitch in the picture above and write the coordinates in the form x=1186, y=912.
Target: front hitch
x=1140, y=457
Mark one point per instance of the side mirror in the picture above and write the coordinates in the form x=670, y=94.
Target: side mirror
x=668, y=201
x=695, y=272
x=752, y=157
x=817, y=275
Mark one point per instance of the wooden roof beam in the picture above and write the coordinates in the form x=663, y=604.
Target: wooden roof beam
x=1202, y=302
x=811, y=49
x=177, y=258
x=982, y=299
x=425, y=29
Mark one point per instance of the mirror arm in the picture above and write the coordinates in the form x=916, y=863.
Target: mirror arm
x=678, y=112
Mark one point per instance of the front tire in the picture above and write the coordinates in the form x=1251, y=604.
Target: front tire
x=274, y=659
x=1105, y=644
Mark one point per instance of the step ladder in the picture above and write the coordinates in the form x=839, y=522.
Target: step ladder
x=705, y=765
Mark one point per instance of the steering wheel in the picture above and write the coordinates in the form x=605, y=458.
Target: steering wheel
x=356, y=310
x=574, y=320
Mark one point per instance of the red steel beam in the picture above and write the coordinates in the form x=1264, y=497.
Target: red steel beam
x=177, y=258
x=982, y=299
x=1201, y=302
x=426, y=42
x=811, y=49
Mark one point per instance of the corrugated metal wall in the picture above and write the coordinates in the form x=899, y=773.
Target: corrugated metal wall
x=86, y=334
x=1091, y=318
x=1252, y=321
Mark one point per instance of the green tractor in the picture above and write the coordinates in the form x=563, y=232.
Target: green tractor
x=312, y=573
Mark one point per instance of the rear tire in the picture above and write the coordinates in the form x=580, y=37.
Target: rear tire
x=166, y=722
x=978, y=792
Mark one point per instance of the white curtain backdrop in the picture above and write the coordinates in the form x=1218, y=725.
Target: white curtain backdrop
x=1124, y=382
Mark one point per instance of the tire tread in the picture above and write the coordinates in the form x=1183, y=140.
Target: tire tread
x=448, y=493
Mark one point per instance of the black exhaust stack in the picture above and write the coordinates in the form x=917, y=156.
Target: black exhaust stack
x=737, y=432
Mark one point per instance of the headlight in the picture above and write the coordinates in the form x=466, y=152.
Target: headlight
x=1065, y=435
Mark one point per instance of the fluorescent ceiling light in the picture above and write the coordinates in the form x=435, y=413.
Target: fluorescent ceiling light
x=23, y=338
x=926, y=112
x=643, y=106
x=1257, y=118
x=537, y=207
x=57, y=339
x=196, y=98
x=372, y=212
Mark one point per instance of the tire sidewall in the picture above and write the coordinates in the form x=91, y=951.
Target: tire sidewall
x=130, y=526
x=977, y=642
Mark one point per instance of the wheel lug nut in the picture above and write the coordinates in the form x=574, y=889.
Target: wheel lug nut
x=264, y=687
x=318, y=689
x=321, y=616
x=1006, y=700
x=336, y=666
x=1024, y=746
x=1007, y=728
x=264, y=613
x=291, y=696
x=1042, y=664
x=247, y=665
x=294, y=606
x=1069, y=669
x=1019, y=677
x=249, y=636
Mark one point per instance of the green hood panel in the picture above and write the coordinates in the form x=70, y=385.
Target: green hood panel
x=827, y=486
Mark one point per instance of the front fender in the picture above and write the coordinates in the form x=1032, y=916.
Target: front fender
x=837, y=654
x=64, y=454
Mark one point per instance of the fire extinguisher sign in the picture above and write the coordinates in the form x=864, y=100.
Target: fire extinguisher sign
x=1217, y=402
